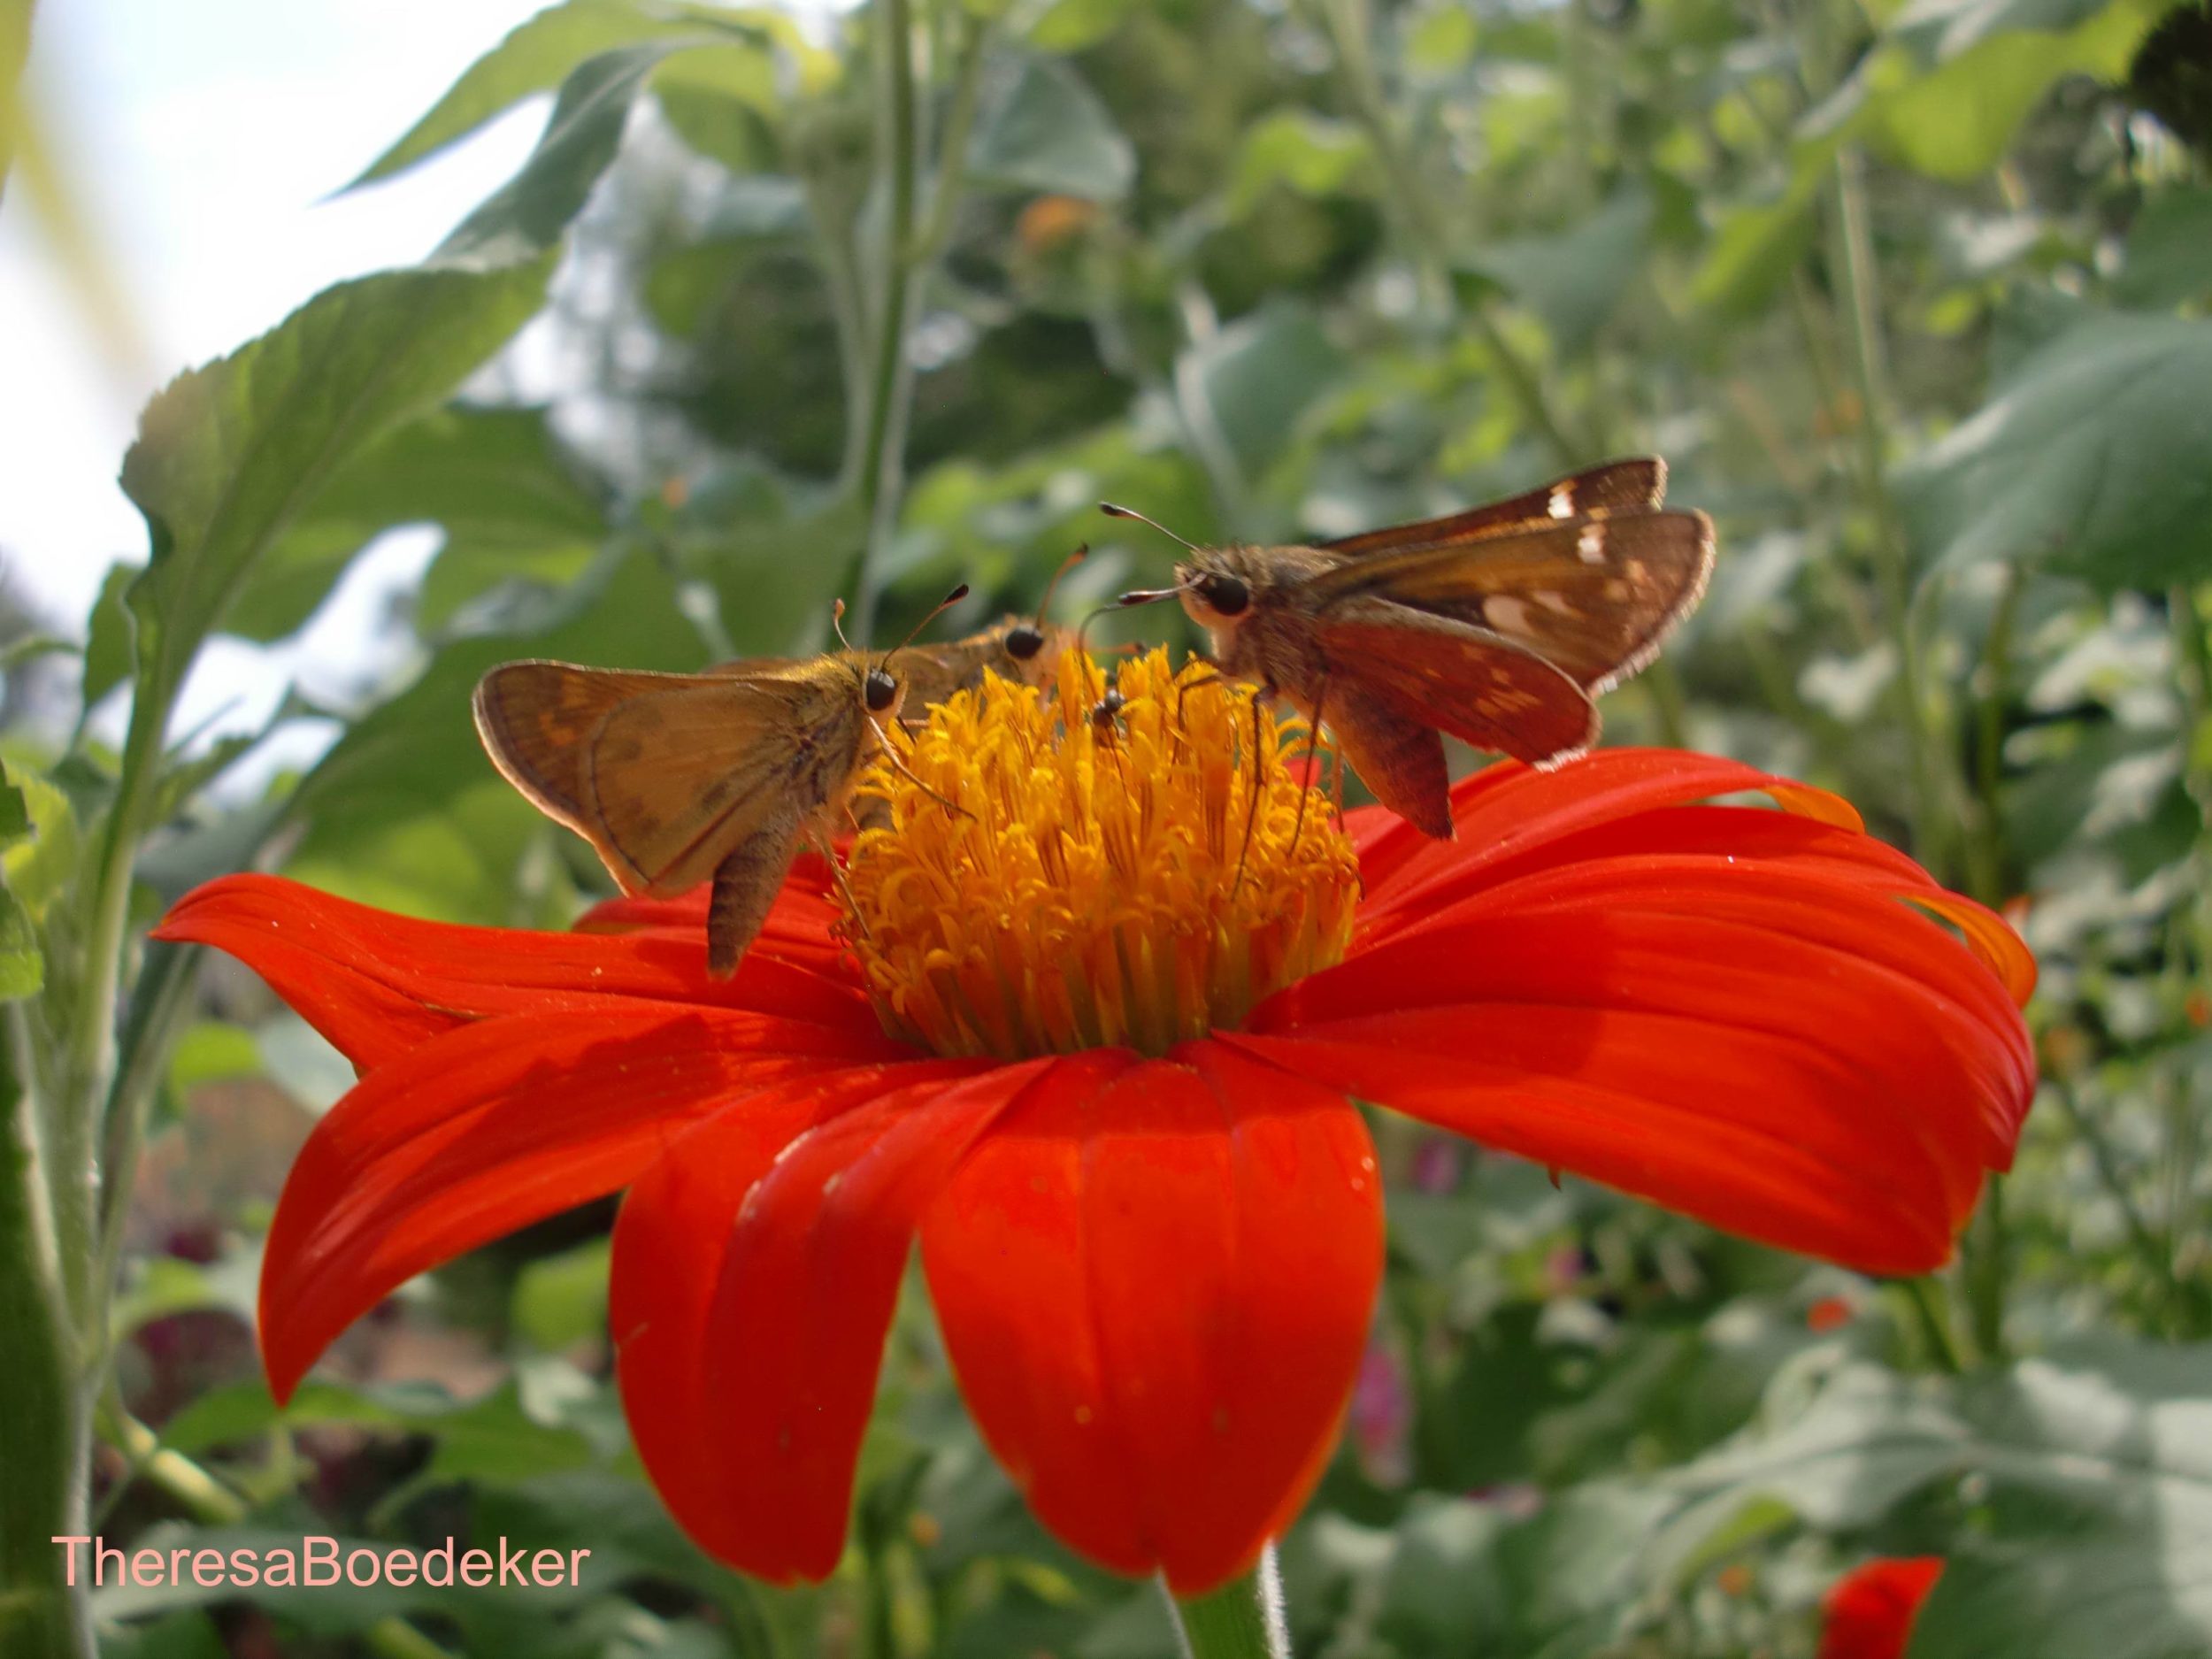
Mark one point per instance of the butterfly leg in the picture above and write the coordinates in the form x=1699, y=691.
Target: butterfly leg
x=828, y=856
x=906, y=773
x=1257, y=785
x=1313, y=758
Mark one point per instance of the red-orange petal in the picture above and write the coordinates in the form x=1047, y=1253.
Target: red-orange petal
x=1869, y=1612
x=671, y=1240
x=795, y=1329
x=1156, y=1297
x=377, y=984
x=492, y=1127
x=1509, y=814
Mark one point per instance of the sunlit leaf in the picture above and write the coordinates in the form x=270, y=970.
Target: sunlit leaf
x=228, y=454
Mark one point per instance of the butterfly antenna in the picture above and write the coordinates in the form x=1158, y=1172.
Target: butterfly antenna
x=1113, y=511
x=942, y=605
x=1044, y=605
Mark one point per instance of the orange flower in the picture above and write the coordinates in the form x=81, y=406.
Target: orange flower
x=1093, y=1043
x=1870, y=1610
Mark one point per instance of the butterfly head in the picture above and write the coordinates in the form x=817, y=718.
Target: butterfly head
x=882, y=691
x=1216, y=587
x=1029, y=651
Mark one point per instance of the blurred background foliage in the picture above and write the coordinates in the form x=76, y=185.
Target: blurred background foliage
x=1913, y=300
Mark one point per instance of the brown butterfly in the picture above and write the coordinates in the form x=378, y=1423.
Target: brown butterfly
x=680, y=779
x=1499, y=625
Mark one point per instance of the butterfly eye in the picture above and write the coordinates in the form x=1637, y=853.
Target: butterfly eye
x=1226, y=596
x=882, y=691
x=1024, y=642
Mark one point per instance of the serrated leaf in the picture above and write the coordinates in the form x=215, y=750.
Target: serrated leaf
x=528, y=213
x=228, y=454
x=537, y=56
x=2093, y=456
x=1042, y=128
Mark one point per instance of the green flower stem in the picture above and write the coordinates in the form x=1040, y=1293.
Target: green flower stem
x=883, y=442
x=1852, y=268
x=1242, y=1620
x=44, y=1434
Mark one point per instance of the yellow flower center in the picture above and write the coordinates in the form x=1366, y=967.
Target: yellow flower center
x=1058, y=876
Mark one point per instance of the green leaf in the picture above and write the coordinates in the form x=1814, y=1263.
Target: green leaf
x=528, y=213
x=211, y=1052
x=561, y=1300
x=1074, y=26
x=1756, y=247
x=536, y=57
x=1260, y=374
x=406, y=812
x=2169, y=251
x=1574, y=279
x=22, y=964
x=1042, y=128
x=107, y=651
x=228, y=454
x=1302, y=151
x=494, y=477
x=2093, y=456
x=1946, y=90
x=722, y=101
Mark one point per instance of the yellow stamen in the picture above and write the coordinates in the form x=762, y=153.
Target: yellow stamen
x=1087, y=894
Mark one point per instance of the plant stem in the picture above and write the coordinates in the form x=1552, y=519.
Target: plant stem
x=883, y=442
x=1924, y=1292
x=1242, y=1620
x=2156, y=1257
x=1346, y=25
x=1987, y=1261
x=1985, y=847
x=44, y=1435
x=1852, y=268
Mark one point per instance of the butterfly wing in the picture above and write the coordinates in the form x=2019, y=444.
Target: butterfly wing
x=1594, y=596
x=667, y=774
x=1616, y=487
x=683, y=776
x=1453, y=676
x=536, y=721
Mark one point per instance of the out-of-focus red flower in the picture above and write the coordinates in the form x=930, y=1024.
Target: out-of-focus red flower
x=1869, y=1613
x=1154, y=1260
x=1829, y=1313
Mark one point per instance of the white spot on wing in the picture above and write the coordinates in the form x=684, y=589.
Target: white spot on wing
x=1591, y=543
x=1561, y=504
x=1506, y=614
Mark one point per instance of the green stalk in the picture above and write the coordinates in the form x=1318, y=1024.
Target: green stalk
x=1926, y=1295
x=883, y=443
x=1347, y=30
x=1242, y=1620
x=1852, y=267
x=44, y=1432
x=1985, y=848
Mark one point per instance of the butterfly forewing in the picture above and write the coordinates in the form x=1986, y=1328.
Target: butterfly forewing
x=1593, y=596
x=1636, y=485
x=536, y=721
x=683, y=776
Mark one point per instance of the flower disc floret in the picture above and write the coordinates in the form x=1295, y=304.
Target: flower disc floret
x=1051, y=882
